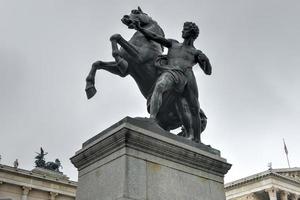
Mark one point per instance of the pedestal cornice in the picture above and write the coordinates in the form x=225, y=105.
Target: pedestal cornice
x=145, y=137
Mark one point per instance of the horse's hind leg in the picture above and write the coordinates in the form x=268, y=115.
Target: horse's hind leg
x=90, y=80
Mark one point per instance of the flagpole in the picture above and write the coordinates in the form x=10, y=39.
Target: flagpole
x=286, y=153
x=287, y=157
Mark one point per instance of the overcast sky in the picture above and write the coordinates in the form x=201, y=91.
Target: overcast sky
x=251, y=99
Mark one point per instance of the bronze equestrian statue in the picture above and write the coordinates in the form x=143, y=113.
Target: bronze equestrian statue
x=41, y=163
x=141, y=57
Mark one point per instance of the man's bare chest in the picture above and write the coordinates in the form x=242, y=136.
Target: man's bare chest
x=182, y=52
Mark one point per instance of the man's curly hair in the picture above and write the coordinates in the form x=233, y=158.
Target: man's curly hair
x=193, y=29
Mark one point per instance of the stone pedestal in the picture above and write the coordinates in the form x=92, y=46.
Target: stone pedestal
x=136, y=160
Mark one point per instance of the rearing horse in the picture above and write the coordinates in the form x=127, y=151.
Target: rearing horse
x=136, y=58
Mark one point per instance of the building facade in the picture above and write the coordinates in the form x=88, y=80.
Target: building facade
x=37, y=184
x=42, y=184
x=273, y=184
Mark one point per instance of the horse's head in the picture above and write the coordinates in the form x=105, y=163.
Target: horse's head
x=57, y=161
x=144, y=20
x=136, y=15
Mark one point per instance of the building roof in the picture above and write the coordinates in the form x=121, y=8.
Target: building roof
x=38, y=174
x=290, y=174
x=38, y=182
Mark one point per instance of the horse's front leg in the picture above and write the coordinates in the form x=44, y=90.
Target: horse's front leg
x=121, y=62
x=111, y=67
x=129, y=48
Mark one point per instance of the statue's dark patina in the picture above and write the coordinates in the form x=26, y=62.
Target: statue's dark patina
x=141, y=57
x=41, y=163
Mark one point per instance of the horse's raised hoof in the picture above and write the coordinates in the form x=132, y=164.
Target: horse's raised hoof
x=115, y=37
x=90, y=91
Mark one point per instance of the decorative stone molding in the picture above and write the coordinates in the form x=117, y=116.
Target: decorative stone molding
x=25, y=191
x=53, y=195
x=251, y=196
x=138, y=135
x=272, y=193
x=294, y=196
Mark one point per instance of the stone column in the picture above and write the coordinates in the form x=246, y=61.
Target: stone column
x=272, y=193
x=295, y=197
x=25, y=191
x=53, y=195
x=284, y=195
x=250, y=196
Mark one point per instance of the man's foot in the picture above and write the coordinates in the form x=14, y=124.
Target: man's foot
x=153, y=120
x=197, y=140
x=190, y=135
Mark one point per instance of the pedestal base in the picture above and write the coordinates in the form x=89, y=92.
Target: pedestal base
x=136, y=160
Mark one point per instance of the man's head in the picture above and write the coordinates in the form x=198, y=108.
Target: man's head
x=190, y=30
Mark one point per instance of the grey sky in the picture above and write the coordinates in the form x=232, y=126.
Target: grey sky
x=251, y=99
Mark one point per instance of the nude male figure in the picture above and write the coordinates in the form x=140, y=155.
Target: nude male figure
x=178, y=75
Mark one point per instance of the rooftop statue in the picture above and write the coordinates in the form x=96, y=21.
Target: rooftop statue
x=53, y=166
x=41, y=163
x=40, y=158
x=166, y=81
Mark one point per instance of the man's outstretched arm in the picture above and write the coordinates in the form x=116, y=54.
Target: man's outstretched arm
x=204, y=63
x=152, y=36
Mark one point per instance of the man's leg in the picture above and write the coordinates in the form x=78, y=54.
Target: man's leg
x=186, y=117
x=194, y=108
x=164, y=83
x=191, y=93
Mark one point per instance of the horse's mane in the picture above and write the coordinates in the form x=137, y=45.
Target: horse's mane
x=158, y=29
x=158, y=26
